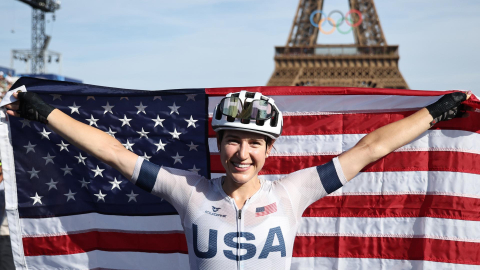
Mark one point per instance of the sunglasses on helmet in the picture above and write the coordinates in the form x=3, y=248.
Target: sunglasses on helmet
x=257, y=109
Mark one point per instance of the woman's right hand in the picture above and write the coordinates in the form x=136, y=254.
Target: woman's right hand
x=12, y=108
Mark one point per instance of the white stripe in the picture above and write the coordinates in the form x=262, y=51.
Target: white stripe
x=403, y=183
x=326, y=263
x=94, y=221
x=315, y=104
x=308, y=145
x=413, y=182
x=404, y=227
x=110, y=260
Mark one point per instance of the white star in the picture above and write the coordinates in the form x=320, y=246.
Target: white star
x=52, y=184
x=128, y=145
x=191, y=122
x=158, y=121
x=33, y=173
x=37, y=199
x=143, y=133
x=48, y=159
x=90, y=97
x=80, y=158
x=192, y=146
x=108, y=108
x=175, y=134
x=146, y=157
x=98, y=171
x=66, y=170
x=111, y=133
x=141, y=108
x=84, y=183
x=160, y=145
x=124, y=98
x=174, y=108
x=177, y=158
x=25, y=122
x=157, y=97
x=92, y=121
x=44, y=134
x=132, y=196
x=115, y=183
x=74, y=108
x=191, y=97
x=55, y=96
x=70, y=195
x=63, y=146
x=100, y=196
x=125, y=121
x=194, y=169
x=30, y=147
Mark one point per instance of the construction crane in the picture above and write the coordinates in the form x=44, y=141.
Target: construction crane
x=40, y=40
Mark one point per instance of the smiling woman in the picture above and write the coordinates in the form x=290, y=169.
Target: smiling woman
x=240, y=221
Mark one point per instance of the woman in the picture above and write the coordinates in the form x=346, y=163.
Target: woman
x=240, y=221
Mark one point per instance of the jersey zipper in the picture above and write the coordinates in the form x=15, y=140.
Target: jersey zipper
x=239, y=229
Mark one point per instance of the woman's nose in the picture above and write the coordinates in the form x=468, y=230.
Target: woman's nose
x=244, y=151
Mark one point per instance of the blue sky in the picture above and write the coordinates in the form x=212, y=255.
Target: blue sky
x=214, y=43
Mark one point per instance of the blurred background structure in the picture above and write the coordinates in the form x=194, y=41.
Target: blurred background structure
x=369, y=62
x=217, y=43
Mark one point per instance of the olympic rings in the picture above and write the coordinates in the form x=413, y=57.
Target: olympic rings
x=329, y=20
x=336, y=25
x=339, y=12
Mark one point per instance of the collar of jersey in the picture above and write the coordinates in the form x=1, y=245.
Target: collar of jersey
x=218, y=185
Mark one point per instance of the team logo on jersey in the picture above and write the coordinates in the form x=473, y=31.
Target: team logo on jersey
x=215, y=210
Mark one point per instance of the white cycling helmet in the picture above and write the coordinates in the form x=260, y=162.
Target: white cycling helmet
x=248, y=111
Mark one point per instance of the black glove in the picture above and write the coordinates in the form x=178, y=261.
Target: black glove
x=447, y=107
x=32, y=107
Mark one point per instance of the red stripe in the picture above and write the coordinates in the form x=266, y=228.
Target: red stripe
x=312, y=90
x=396, y=161
x=375, y=206
x=107, y=241
x=360, y=123
x=388, y=248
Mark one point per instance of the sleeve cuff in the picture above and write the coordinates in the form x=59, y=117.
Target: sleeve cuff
x=339, y=170
x=136, y=170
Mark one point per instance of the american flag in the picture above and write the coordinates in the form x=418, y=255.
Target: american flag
x=417, y=208
x=266, y=210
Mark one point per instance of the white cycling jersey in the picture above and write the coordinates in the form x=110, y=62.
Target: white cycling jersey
x=219, y=235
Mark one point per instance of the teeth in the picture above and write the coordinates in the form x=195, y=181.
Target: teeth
x=241, y=165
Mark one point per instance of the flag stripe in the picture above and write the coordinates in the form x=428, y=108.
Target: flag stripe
x=389, y=248
x=328, y=263
x=438, y=206
x=435, y=228
x=306, y=145
x=360, y=123
x=107, y=241
x=315, y=104
x=99, y=259
x=61, y=225
x=397, y=161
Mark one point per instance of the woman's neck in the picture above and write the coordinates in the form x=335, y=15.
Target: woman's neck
x=240, y=192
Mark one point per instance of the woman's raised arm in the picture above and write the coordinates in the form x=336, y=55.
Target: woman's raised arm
x=387, y=139
x=89, y=139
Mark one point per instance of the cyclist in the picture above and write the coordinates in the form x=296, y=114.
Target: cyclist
x=239, y=220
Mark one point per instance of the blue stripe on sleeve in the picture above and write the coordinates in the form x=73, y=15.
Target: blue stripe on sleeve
x=329, y=177
x=147, y=176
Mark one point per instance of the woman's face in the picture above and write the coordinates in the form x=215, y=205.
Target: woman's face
x=243, y=155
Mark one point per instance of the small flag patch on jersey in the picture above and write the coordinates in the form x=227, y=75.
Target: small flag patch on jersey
x=266, y=210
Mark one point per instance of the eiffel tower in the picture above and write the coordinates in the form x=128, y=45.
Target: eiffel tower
x=370, y=62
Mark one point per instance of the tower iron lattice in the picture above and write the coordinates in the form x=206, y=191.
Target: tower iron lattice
x=370, y=62
x=38, y=54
